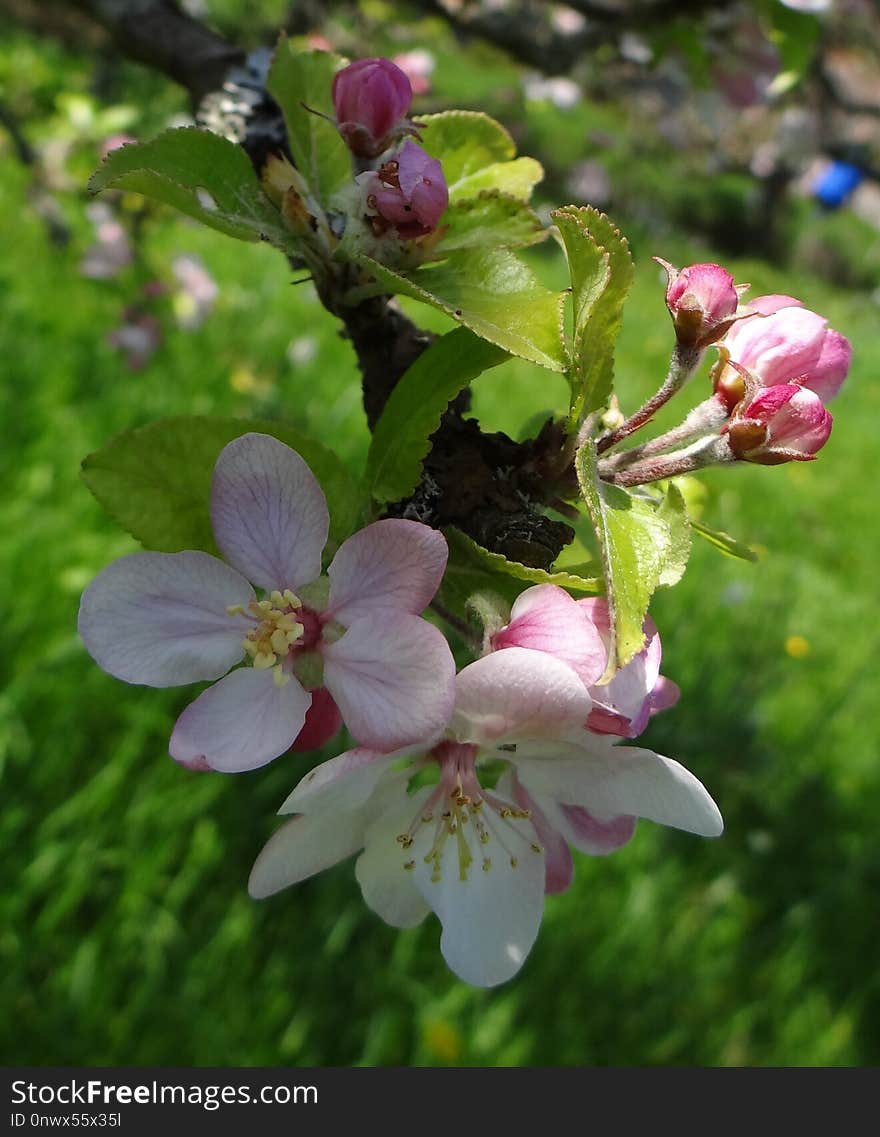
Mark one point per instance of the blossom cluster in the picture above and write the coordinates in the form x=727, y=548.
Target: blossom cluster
x=779, y=364
x=420, y=796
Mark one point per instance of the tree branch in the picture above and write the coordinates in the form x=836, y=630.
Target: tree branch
x=159, y=34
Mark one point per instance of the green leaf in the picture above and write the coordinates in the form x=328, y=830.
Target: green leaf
x=517, y=179
x=477, y=154
x=724, y=542
x=301, y=79
x=202, y=175
x=601, y=275
x=492, y=220
x=673, y=512
x=465, y=141
x=468, y=558
x=634, y=544
x=155, y=481
x=491, y=292
x=412, y=413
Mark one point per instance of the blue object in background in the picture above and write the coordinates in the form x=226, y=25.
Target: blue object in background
x=836, y=183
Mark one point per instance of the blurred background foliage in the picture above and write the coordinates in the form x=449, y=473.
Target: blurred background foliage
x=126, y=933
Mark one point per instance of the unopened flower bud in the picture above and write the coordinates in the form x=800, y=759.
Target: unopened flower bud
x=372, y=99
x=702, y=301
x=782, y=423
x=787, y=343
x=408, y=192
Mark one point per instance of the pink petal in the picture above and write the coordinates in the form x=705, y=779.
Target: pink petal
x=240, y=723
x=393, y=564
x=392, y=675
x=517, y=693
x=323, y=721
x=558, y=865
x=160, y=618
x=546, y=618
x=299, y=849
x=269, y=514
x=832, y=367
x=594, y=835
x=767, y=305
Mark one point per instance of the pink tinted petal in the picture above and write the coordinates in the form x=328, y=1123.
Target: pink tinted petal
x=832, y=367
x=240, y=723
x=300, y=848
x=665, y=695
x=558, y=865
x=780, y=347
x=323, y=721
x=160, y=618
x=767, y=305
x=342, y=784
x=594, y=835
x=269, y=514
x=546, y=618
x=393, y=563
x=392, y=675
x=517, y=693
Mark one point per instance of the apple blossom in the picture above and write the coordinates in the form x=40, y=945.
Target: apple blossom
x=578, y=632
x=482, y=855
x=407, y=192
x=372, y=98
x=163, y=619
x=784, y=343
x=783, y=423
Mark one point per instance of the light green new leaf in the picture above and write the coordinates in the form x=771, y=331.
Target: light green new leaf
x=156, y=481
x=303, y=79
x=601, y=274
x=202, y=175
x=673, y=511
x=477, y=154
x=491, y=220
x=724, y=542
x=464, y=142
x=491, y=292
x=517, y=179
x=412, y=413
x=634, y=544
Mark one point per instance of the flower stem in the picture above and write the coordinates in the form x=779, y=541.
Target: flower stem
x=704, y=419
x=682, y=365
x=710, y=451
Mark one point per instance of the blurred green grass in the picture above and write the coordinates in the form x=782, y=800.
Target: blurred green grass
x=127, y=934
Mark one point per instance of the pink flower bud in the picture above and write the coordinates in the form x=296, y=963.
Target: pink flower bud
x=372, y=99
x=787, y=343
x=702, y=301
x=783, y=423
x=409, y=191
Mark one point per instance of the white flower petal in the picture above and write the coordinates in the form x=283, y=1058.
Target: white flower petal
x=518, y=693
x=491, y=918
x=269, y=514
x=160, y=618
x=388, y=888
x=393, y=563
x=240, y=723
x=302, y=847
x=344, y=783
x=610, y=781
x=392, y=676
